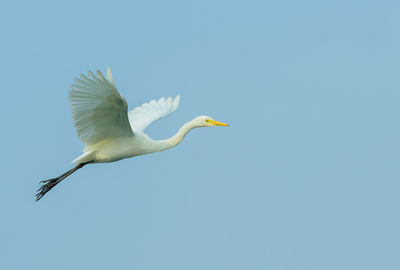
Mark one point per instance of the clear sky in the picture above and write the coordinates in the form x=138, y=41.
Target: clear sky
x=307, y=177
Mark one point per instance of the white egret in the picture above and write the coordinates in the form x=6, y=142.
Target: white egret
x=109, y=132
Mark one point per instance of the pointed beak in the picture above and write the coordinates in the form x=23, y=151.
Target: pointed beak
x=218, y=123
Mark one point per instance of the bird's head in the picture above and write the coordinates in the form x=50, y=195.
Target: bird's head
x=206, y=121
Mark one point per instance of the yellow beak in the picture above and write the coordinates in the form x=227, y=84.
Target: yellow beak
x=217, y=123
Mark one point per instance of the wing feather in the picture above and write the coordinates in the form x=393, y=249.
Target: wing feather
x=98, y=110
x=146, y=114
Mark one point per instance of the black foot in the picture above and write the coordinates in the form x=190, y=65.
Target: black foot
x=46, y=187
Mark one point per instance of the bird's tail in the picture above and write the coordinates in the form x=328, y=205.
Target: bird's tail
x=47, y=185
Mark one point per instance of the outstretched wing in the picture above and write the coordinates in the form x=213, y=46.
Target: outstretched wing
x=98, y=110
x=146, y=114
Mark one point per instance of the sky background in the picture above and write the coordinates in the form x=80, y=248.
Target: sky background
x=307, y=177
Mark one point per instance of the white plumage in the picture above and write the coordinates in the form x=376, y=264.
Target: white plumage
x=146, y=114
x=109, y=132
x=98, y=110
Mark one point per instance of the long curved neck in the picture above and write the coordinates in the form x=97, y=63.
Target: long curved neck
x=178, y=137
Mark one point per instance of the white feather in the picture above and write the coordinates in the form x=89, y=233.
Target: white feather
x=109, y=76
x=146, y=114
x=99, y=112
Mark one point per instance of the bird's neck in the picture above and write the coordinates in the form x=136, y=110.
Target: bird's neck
x=178, y=137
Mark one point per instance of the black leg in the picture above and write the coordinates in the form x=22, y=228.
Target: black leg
x=49, y=184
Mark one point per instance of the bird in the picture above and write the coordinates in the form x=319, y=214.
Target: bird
x=109, y=131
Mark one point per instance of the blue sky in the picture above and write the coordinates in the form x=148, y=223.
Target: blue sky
x=307, y=176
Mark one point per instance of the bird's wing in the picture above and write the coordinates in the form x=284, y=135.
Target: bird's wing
x=98, y=110
x=146, y=114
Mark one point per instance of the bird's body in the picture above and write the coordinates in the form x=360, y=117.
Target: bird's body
x=114, y=149
x=111, y=133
